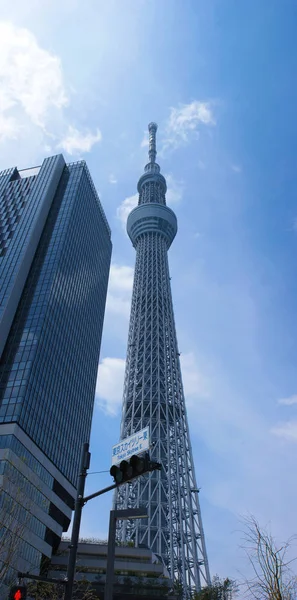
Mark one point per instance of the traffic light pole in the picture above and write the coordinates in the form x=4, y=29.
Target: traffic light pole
x=146, y=465
x=79, y=503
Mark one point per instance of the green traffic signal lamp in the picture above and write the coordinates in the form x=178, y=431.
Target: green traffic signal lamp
x=18, y=592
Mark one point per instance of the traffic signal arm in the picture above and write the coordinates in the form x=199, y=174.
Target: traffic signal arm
x=151, y=466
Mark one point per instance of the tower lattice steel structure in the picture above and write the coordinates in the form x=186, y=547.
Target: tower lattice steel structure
x=153, y=395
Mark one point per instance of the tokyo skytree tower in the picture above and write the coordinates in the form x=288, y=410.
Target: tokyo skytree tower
x=153, y=395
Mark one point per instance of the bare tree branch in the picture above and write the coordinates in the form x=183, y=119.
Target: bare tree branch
x=273, y=578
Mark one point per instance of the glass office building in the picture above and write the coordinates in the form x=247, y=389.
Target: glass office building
x=55, y=252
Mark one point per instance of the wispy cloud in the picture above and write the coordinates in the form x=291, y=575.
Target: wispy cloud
x=33, y=95
x=109, y=387
x=76, y=142
x=174, y=190
x=288, y=401
x=32, y=82
x=223, y=421
x=236, y=168
x=120, y=290
x=195, y=384
x=9, y=128
x=125, y=208
x=145, y=140
x=287, y=431
x=121, y=278
x=184, y=122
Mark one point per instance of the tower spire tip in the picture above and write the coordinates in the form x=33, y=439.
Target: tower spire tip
x=152, y=127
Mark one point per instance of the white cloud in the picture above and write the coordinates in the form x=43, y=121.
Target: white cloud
x=109, y=387
x=184, y=121
x=221, y=420
x=33, y=95
x=288, y=401
x=125, y=208
x=236, y=168
x=112, y=178
x=75, y=141
x=9, y=128
x=120, y=290
x=195, y=385
x=31, y=81
x=287, y=430
x=121, y=278
x=118, y=305
x=174, y=190
x=145, y=140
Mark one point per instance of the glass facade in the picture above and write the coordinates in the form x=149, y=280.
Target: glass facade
x=15, y=202
x=49, y=363
x=11, y=442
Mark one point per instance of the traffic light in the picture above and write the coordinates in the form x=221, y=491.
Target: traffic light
x=137, y=465
x=18, y=592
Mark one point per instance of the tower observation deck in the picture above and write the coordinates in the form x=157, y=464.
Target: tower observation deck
x=153, y=395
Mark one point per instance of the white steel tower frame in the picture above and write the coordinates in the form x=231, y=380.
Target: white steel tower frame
x=153, y=395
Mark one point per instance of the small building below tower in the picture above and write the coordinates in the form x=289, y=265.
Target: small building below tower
x=138, y=572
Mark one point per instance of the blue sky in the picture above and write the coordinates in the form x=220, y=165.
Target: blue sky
x=219, y=78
